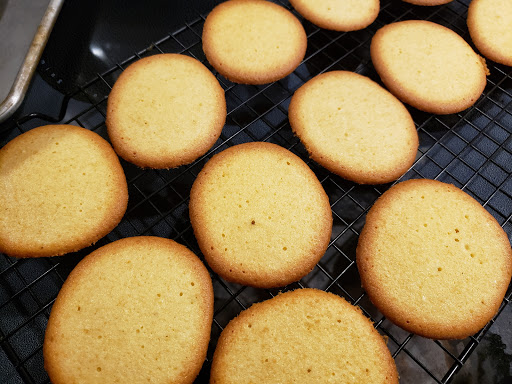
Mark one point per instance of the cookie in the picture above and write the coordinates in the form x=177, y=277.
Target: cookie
x=428, y=2
x=62, y=188
x=253, y=41
x=137, y=310
x=368, y=137
x=165, y=111
x=433, y=260
x=260, y=215
x=343, y=16
x=489, y=24
x=428, y=66
x=309, y=335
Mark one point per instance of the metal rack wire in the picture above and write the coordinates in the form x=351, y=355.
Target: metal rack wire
x=472, y=149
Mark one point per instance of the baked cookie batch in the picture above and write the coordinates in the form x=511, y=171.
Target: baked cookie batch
x=140, y=309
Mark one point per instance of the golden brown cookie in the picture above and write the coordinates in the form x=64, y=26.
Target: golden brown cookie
x=354, y=127
x=253, y=41
x=165, y=111
x=302, y=336
x=260, y=215
x=62, y=188
x=428, y=66
x=134, y=311
x=433, y=260
x=338, y=15
x=428, y=2
x=490, y=27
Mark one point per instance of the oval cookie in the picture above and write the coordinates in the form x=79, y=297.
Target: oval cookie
x=433, y=260
x=165, y=111
x=62, y=188
x=336, y=15
x=354, y=127
x=309, y=335
x=428, y=66
x=134, y=311
x=260, y=215
x=253, y=41
x=490, y=27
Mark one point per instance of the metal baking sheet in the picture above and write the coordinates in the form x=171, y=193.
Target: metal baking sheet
x=25, y=26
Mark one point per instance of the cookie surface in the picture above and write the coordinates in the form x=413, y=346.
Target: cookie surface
x=433, y=260
x=489, y=24
x=165, y=111
x=260, y=215
x=336, y=15
x=428, y=2
x=369, y=137
x=137, y=310
x=428, y=66
x=62, y=188
x=253, y=41
x=309, y=335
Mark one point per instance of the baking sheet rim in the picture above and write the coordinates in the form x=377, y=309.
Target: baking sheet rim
x=19, y=88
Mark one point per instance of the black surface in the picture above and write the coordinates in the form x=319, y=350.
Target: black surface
x=472, y=149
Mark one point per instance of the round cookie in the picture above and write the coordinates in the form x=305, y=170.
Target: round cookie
x=309, y=335
x=428, y=2
x=62, y=188
x=428, y=66
x=253, y=41
x=165, y=111
x=336, y=15
x=433, y=260
x=369, y=137
x=137, y=310
x=260, y=215
x=490, y=27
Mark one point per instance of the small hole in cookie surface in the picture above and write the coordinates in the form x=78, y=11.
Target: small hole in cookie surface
x=439, y=269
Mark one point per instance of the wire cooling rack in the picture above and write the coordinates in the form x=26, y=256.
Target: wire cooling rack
x=471, y=149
